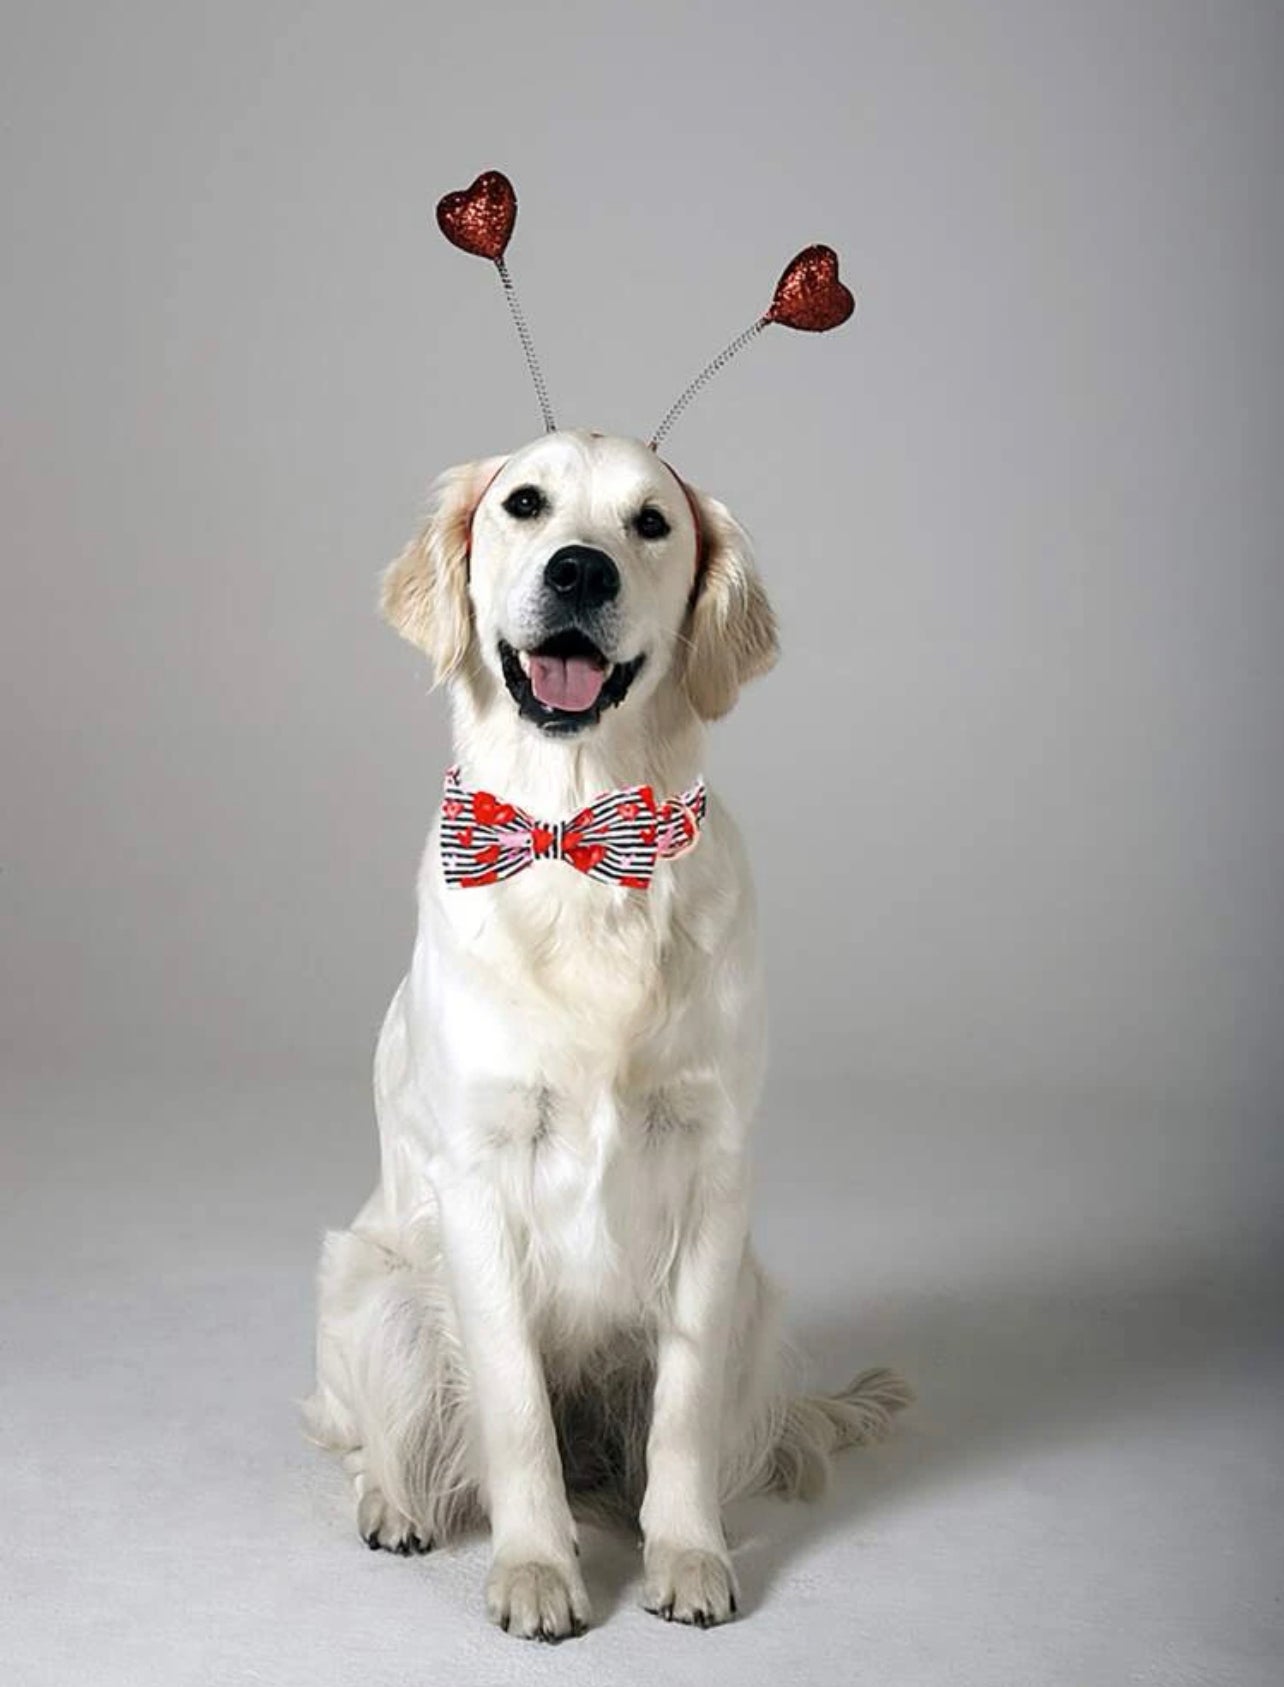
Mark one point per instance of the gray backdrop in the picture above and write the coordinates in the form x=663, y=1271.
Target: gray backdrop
x=1022, y=522
x=1021, y=518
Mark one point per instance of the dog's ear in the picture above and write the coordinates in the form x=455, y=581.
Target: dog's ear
x=730, y=628
x=425, y=591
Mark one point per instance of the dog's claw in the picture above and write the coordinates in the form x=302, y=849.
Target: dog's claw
x=409, y=1546
x=383, y=1528
x=689, y=1585
x=537, y=1600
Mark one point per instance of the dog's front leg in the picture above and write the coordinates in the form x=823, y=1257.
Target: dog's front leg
x=688, y=1574
x=534, y=1587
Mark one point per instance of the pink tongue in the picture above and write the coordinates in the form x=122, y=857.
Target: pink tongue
x=566, y=682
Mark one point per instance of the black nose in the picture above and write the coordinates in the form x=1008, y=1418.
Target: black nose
x=582, y=577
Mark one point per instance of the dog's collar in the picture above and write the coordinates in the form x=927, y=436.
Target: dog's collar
x=617, y=838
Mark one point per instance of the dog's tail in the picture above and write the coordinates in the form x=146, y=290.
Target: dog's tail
x=818, y=1425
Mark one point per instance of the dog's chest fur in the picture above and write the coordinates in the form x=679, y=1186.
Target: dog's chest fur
x=595, y=1132
x=598, y=1187
x=583, y=973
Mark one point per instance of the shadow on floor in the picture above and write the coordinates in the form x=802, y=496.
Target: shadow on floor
x=1008, y=1369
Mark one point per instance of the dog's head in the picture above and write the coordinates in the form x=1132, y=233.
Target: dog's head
x=581, y=575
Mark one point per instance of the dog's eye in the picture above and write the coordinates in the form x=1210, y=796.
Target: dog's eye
x=525, y=503
x=649, y=523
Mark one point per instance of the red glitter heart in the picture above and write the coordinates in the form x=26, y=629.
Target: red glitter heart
x=809, y=294
x=480, y=218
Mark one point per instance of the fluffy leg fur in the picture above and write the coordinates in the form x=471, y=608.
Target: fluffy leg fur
x=392, y=1398
x=392, y=1395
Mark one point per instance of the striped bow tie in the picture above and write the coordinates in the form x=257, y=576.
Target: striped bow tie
x=617, y=839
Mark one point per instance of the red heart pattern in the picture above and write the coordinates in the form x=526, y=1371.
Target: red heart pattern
x=585, y=856
x=617, y=838
x=489, y=811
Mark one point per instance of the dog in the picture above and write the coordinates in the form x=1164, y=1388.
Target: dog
x=550, y=1308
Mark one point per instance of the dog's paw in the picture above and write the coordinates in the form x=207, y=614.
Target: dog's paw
x=536, y=1600
x=382, y=1525
x=689, y=1585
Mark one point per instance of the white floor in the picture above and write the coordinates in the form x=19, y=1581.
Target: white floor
x=1089, y=1491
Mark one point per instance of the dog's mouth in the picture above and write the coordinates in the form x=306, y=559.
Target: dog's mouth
x=565, y=683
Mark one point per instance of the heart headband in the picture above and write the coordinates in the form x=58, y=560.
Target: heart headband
x=809, y=296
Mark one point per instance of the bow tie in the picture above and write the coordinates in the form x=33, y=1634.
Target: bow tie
x=616, y=839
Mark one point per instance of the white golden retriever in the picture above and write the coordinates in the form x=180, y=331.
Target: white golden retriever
x=550, y=1304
